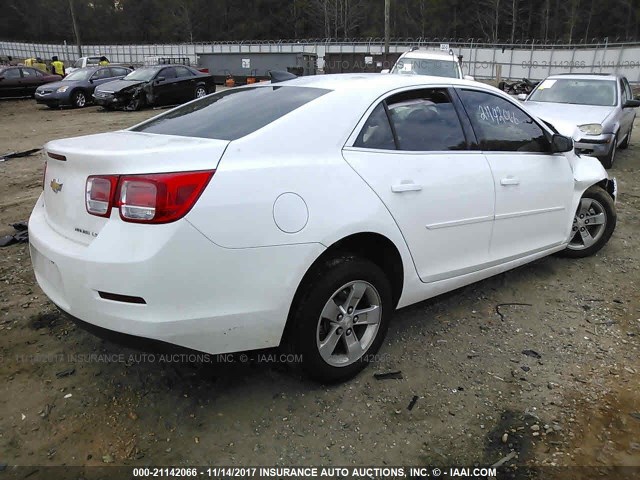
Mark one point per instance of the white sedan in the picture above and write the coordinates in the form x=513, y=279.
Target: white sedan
x=305, y=212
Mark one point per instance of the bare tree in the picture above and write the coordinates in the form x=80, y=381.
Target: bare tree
x=574, y=6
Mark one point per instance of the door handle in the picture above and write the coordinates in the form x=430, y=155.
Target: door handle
x=406, y=187
x=509, y=181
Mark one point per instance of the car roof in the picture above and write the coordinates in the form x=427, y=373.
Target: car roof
x=430, y=55
x=377, y=83
x=585, y=76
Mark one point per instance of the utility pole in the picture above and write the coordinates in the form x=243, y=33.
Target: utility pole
x=76, y=32
x=387, y=33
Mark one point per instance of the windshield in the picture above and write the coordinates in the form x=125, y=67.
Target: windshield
x=231, y=114
x=78, y=75
x=577, y=92
x=423, y=66
x=142, y=74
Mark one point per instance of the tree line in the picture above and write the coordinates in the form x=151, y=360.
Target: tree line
x=167, y=21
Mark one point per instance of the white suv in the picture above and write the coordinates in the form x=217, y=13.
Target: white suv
x=429, y=62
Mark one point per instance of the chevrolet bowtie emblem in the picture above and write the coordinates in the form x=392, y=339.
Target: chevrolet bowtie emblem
x=55, y=186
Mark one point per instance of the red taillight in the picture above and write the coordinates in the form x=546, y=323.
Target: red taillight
x=154, y=198
x=99, y=194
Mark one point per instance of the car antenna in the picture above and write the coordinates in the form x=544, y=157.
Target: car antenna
x=278, y=76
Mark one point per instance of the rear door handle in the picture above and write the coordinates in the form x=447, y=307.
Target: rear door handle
x=509, y=181
x=406, y=187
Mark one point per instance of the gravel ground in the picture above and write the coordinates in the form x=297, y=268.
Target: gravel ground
x=555, y=381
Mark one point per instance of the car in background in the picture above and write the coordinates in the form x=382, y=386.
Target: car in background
x=84, y=62
x=429, y=62
x=157, y=85
x=235, y=223
x=76, y=89
x=596, y=110
x=23, y=81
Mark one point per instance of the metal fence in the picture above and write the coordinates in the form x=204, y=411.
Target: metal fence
x=530, y=59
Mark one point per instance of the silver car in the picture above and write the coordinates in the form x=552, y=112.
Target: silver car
x=596, y=110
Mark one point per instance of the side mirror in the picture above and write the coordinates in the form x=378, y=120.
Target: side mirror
x=522, y=97
x=160, y=79
x=469, y=77
x=91, y=80
x=631, y=104
x=386, y=70
x=560, y=143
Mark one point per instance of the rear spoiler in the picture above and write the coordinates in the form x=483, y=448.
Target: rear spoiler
x=278, y=76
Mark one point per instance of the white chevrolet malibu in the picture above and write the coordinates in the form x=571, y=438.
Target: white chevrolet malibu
x=305, y=212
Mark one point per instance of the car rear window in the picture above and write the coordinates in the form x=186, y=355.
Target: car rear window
x=232, y=114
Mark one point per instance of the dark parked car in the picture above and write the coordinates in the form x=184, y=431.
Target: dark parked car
x=159, y=85
x=23, y=81
x=76, y=89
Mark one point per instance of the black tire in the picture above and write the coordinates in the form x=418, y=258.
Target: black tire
x=200, y=91
x=608, y=159
x=601, y=203
x=624, y=145
x=134, y=104
x=79, y=99
x=320, y=286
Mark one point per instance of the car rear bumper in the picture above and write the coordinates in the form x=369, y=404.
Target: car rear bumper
x=170, y=283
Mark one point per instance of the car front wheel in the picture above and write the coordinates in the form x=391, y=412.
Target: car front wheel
x=79, y=99
x=593, y=223
x=341, y=317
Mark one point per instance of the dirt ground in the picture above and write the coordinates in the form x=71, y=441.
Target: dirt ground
x=558, y=377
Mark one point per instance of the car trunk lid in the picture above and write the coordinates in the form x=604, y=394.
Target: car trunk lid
x=71, y=161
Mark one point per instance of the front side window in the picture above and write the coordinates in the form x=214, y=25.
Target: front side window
x=28, y=73
x=167, y=73
x=501, y=126
x=102, y=73
x=11, y=73
x=232, y=114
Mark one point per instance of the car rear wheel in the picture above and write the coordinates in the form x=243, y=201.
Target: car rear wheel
x=79, y=99
x=593, y=224
x=341, y=317
x=607, y=161
x=200, y=91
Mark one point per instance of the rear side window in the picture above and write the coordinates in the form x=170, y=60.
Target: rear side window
x=232, y=114
x=183, y=72
x=376, y=133
x=426, y=120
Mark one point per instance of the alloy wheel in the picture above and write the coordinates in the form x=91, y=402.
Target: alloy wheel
x=589, y=224
x=349, y=323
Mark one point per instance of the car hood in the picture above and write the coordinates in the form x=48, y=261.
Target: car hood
x=566, y=117
x=56, y=85
x=118, y=85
